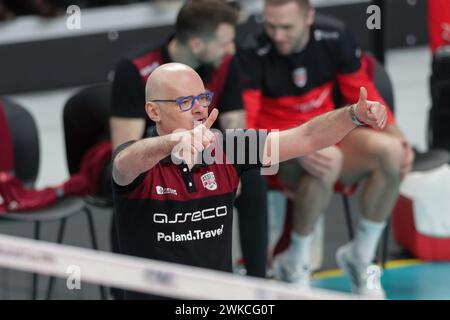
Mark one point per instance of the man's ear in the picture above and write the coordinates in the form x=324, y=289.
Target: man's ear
x=311, y=16
x=153, y=111
x=196, y=45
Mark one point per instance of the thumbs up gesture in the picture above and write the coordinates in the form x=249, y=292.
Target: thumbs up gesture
x=369, y=112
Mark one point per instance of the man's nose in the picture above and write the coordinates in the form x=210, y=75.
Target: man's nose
x=278, y=34
x=198, y=106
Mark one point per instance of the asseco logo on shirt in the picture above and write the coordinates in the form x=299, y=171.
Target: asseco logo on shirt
x=209, y=181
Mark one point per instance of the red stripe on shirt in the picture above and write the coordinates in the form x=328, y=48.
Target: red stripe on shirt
x=290, y=111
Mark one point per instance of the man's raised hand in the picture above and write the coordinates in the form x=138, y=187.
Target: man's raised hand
x=369, y=112
x=193, y=142
x=211, y=119
x=203, y=136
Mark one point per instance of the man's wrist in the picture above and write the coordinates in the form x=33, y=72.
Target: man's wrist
x=353, y=116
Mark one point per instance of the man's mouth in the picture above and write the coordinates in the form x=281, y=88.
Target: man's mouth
x=282, y=44
x=199, y=121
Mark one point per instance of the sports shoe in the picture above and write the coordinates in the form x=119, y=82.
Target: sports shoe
x=365, y=279
x=285, y=269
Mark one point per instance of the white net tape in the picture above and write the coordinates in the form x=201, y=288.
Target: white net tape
x=149, y=276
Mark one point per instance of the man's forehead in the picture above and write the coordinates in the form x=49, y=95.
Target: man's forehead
x=225, y=30
x=184, y=88
x=280, y=23
x=283, y=14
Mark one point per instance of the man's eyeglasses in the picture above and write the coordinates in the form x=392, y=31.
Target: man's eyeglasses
x=187, y=103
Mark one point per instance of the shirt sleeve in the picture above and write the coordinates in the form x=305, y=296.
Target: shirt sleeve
x=231, y=98
x=128, y=92
x=244, y=148
x=348, y=53
x=251, y=79
x=353, y=73
x=130, y=187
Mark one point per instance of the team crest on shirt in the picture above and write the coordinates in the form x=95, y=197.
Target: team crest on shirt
x=300, y=77
x=209, y=181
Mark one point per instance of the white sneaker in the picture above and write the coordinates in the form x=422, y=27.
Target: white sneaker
x=365, y=279
x=285, y=269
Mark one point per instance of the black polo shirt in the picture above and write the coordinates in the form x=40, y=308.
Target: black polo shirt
x=184, y=216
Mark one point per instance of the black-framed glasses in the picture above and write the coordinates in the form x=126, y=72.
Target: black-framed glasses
x=187, y=103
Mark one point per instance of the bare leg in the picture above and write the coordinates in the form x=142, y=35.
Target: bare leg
x=312, y=193
x=312, y=179
x=375, y=156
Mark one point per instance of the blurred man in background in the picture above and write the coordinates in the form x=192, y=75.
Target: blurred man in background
x=289, y=73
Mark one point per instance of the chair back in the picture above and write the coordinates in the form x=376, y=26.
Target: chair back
x=21, y=136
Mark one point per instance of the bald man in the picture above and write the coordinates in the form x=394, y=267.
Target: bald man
x=174, y=208
x=203, y=39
